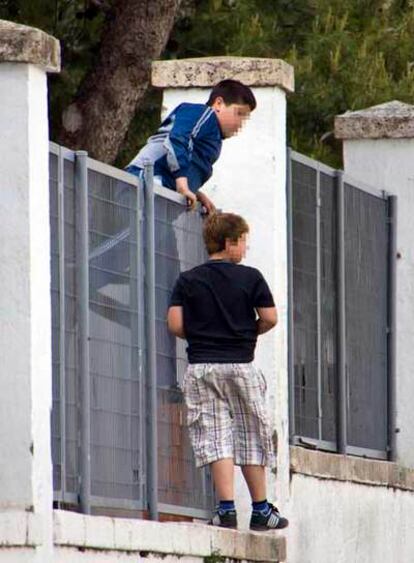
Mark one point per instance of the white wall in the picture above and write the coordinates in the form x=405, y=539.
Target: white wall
x=249, y=179
x=388, y=164
x=340, y=522
x=25, y=345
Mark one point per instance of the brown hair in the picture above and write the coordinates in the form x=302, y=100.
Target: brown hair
x=232, y=92
x=221, y=226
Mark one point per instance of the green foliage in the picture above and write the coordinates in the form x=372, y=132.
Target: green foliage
x=78, y=25
x=215, y=557
x=347, y=54
x=144, y=124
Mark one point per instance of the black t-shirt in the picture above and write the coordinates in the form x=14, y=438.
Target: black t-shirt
x=219, y=300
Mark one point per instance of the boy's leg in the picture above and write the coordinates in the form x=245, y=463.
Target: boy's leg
x=265, y=516
x=223, y=477
x=210, y=428
x=256, y=481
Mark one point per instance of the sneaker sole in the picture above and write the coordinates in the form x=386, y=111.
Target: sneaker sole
x=264, y=528
x=223, y=526
x=267, y=529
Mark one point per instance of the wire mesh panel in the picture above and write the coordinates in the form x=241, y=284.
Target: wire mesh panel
x=326, y=358
x=115, y=343
x=57, y=438
x=305, y=289
x=71, y=387
x=328, y=297
x=64, y=416
x=366, y=241
x=178, y=247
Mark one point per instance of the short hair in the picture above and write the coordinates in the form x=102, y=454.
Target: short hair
x=232, y=92
x=221, y=226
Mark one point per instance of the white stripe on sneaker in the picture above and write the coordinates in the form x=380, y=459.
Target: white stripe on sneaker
x=273, y=520
x=216, y=520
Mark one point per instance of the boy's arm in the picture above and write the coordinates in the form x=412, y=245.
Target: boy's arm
x=267, y=319
x=189, y=122
x=175, y=321
x=181, y=185
x=206, y=202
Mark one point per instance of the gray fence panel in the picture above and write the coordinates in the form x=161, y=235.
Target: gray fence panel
x=316, y=285
x=178, y=247
x=304, y=226
x=71, y=352
x=114, y=344
x=328, y=306
x=366, y=280
x=56, y=427
x=65, y=432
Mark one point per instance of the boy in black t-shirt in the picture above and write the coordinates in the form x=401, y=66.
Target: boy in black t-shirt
x=220, y=308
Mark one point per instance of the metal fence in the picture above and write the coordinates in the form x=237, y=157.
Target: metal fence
x=118, y=436
x=341, y=237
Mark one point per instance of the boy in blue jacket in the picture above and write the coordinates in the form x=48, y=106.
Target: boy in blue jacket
x=189, y=140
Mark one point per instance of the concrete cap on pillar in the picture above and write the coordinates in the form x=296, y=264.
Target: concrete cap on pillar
x=392, y=120
x=207, y=71
x=23, y=44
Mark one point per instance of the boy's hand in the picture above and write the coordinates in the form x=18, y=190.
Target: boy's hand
x=183, y=189
x=191, y=199
x=206, y=202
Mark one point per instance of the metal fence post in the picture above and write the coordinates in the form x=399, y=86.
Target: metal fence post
x=391, y=341
x=342, y=386
x=82, y=250
x=62, y=323
x=291, y=342
x=318, y=300
x=152, y=434
x=139, y=262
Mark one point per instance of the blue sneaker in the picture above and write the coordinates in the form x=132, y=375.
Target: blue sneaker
x=224, y=518
x=270, y=519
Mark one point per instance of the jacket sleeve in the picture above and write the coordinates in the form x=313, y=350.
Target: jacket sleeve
x=189, y=122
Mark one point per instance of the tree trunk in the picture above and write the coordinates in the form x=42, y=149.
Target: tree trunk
x=135, y=33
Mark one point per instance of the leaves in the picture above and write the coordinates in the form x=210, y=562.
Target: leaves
x=347, y=54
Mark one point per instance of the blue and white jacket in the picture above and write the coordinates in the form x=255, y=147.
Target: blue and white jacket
x=187, y=143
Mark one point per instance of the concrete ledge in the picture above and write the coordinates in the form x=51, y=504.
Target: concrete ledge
x=206, y=72
x=23, y=44
x=119, y=534
x=348, y=468
x=19, y=529
x=393, y=120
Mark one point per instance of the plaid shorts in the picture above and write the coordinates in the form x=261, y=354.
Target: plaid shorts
x=226, y=414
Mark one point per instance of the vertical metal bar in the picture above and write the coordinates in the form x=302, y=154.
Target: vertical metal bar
x=290, y=319
x=62, y=323
x=82, y=248
x=391, y=343
x=342, y=386
x=141, y=330
x=152, y=438
x=318, y=299
x=138, y=338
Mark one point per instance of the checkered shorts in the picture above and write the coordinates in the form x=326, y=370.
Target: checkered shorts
x=226, y=414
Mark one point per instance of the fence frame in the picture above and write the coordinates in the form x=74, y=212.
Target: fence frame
x=341, y=445
x=147, y=342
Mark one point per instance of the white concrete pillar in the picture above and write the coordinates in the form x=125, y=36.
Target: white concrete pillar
x=26, y=54
x=249, y=178
x=378, y=149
